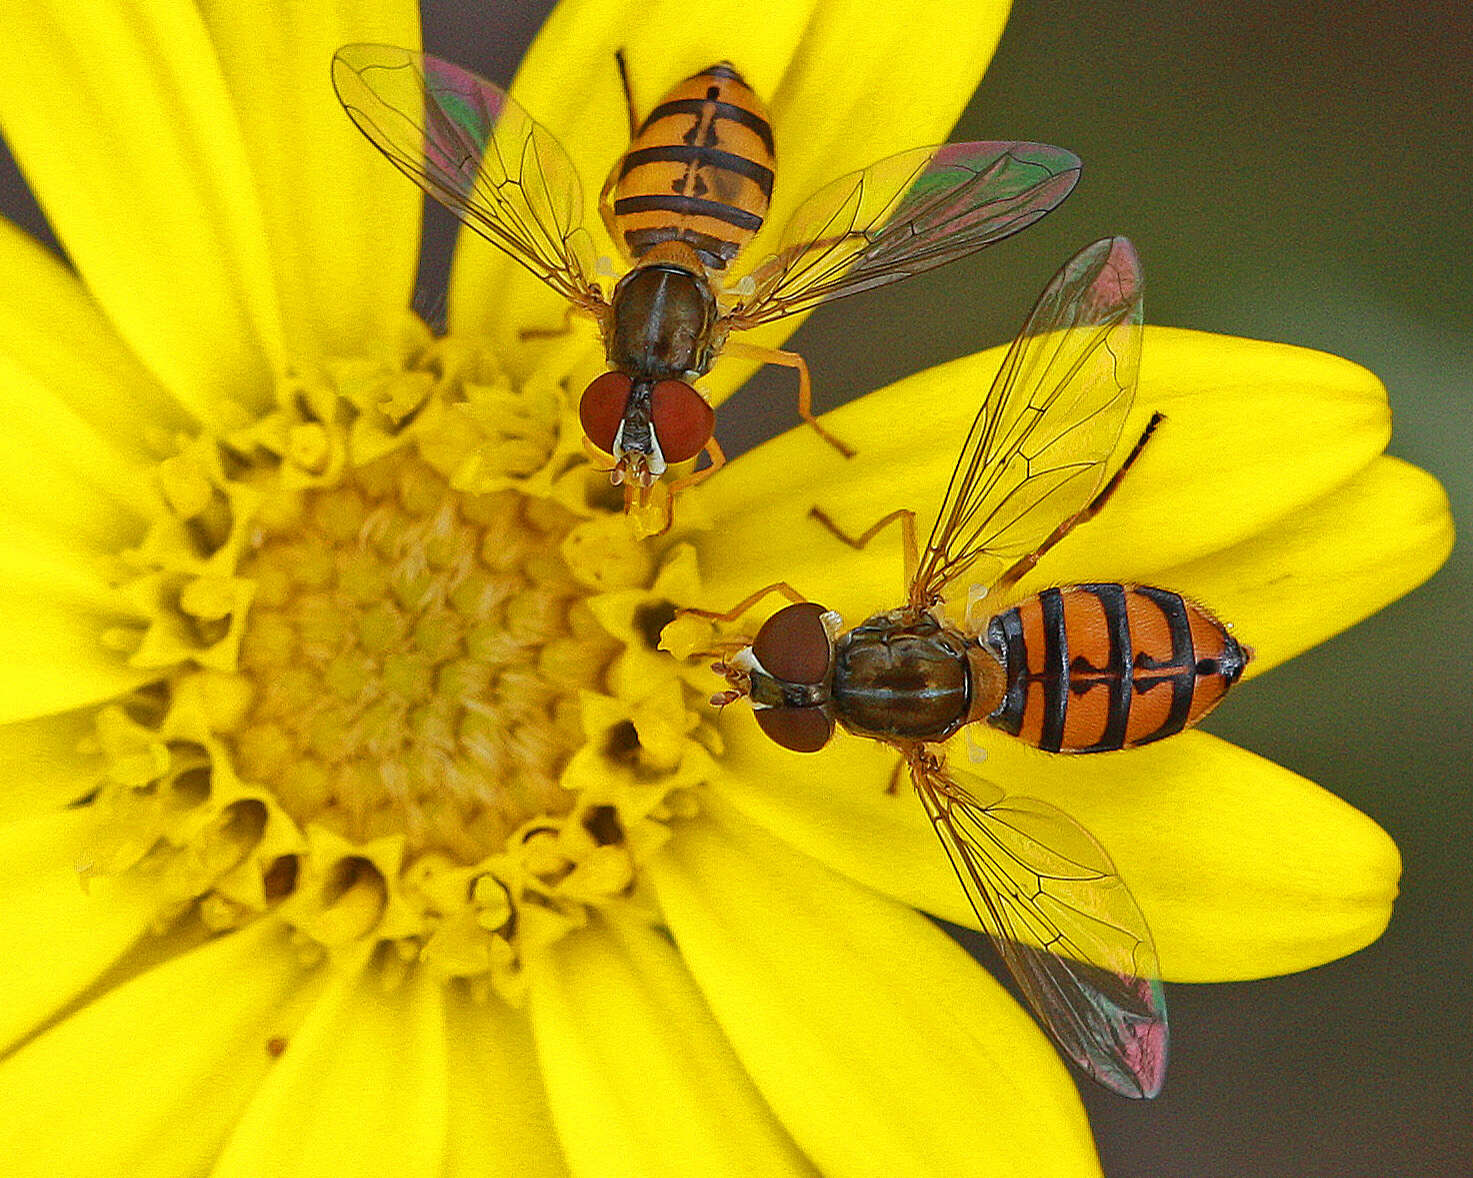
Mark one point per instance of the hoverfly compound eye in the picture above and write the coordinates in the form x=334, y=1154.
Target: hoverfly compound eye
x=683, y=420
x=601, y=411
x=794, y=646
x=799, y=730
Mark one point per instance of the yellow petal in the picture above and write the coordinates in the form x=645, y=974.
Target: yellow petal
x=52, y=330
x=641, y=1080
x=343, y=226
x=1252, y=432
x=1327, y=566
x=42, y=765
x=1242, y=868
x=499, y=1120
x=148, y=1079
x=54, y=611
x=69, y=498
x=360, y=1089
x=61, y=481
x=882, y=1046
x=119, y=118
x=57, y=939
x=846, y=82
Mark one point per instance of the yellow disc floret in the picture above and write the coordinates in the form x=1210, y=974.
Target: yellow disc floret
x=405, y=695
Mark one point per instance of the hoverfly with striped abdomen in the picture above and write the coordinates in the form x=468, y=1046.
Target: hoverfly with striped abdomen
x=691, y=191
x=1074, y=669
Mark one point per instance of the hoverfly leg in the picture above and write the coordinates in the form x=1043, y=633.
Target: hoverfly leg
x=628, y=92
x=909, y=547
x=566, y=328
x=605, y=203
x=600, y=461
x=1091, y=509
x=893, y=787
x=695, y=478
x=805, y=385
x=745, y=604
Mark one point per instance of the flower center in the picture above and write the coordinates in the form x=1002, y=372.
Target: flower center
x=407, y=688
x=416, y=655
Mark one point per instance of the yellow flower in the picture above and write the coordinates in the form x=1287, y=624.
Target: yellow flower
x=333, y=677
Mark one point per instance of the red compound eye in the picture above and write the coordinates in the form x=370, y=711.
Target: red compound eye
x=799, y=730
x=602, y=408
x=683, y=420
x=793, y=645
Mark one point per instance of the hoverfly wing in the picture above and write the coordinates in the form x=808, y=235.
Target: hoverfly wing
x=469, y=145
x=1063, y=922
x=905, y=214
x=1037, y=449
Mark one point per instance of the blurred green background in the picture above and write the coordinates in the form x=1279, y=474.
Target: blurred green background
x=1294, y=172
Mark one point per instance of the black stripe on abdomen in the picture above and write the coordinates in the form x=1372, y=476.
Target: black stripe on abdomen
x=688, y=206
x=701, y=157
x=715, y=252
x=1180, y=671
x=723, y=110
x=1055, y=677
x=1005, y=638
x=1111, y=597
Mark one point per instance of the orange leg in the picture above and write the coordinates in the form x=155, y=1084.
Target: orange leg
x=597, y=458
x=1091, y=509
x=909, y=547
x=718, y=460
x=605, y=206
x=695, y=478
x=628, y=92
x=745, y=604
x=805, y=385
x=551, y=332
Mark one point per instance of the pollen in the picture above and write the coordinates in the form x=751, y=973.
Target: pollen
x=393, y=625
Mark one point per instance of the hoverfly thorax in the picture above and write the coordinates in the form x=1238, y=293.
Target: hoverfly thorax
x=906, y=676
x=661, y=321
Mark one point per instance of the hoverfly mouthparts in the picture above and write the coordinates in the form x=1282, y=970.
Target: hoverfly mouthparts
x=646, y=425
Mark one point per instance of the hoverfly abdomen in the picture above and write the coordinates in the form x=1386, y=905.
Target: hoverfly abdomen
x=1093, y=668
x=699, y=171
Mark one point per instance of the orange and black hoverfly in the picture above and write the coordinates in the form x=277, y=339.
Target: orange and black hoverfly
x=693, y=188
x=1073, y=669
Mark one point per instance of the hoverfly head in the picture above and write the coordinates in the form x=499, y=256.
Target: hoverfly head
x=790, y=667
x=647, y=425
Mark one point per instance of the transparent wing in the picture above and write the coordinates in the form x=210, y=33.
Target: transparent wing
x=1063, y=922
x=471, y=147
x=900, y=216
x=1037, y=449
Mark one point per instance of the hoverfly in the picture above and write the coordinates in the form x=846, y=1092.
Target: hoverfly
x=1075, y=669
x=693, y=188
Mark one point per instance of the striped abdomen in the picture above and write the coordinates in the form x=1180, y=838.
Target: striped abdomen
x=699, y=171
x=1092, y=668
